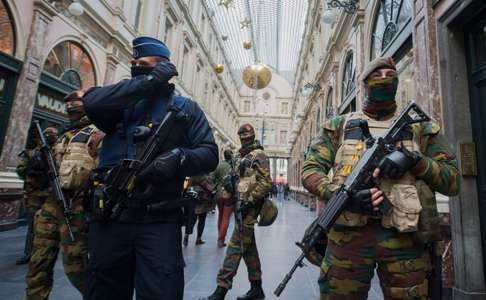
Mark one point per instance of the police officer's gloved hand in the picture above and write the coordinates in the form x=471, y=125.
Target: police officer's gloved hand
x=163, y=168
x=163, y=72
x=397, y=163
x=360, y=202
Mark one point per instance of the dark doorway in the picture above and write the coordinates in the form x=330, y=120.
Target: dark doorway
x=475, y=37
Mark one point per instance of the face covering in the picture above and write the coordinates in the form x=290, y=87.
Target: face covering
x=75, y=113
x=247, y=141
x=140, y=70
x=51, y=139
x=380, y=96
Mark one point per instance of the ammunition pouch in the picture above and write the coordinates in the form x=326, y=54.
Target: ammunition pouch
x=268, y=213
x=418, y=291
x=404, y=215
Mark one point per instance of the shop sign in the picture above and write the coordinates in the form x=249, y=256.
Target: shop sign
x=51, y=102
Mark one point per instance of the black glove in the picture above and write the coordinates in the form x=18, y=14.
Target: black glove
x=163, y=168
x=163, y=72
x=360, y=202
x=227, y=184
x=37, y=163
x=397, y=163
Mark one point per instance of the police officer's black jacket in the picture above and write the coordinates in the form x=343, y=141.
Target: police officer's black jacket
x=117, y=109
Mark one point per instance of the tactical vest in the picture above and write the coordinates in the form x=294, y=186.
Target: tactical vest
x=75, y=162
x=402, y=193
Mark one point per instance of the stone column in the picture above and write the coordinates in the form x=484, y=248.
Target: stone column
x=21, y=115
x=111, y=63
x=426, y=61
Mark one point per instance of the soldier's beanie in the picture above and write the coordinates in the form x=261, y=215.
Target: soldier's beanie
x=74, y=96
x=148, y=46
x=380, y=62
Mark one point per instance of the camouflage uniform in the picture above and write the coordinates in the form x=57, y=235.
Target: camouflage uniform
x=51, y=233
x=256, y=192
x=354, y=250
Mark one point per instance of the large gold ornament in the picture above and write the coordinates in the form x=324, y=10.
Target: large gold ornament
x=247, y=45
x=218, y=68
x=257, y=76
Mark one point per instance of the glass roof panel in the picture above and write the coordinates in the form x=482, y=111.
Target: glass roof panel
x=275, y=28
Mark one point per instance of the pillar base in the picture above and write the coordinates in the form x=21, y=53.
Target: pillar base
x=11, y=194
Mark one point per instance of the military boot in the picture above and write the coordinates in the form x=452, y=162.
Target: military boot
x=218, y=294
x=255, y=292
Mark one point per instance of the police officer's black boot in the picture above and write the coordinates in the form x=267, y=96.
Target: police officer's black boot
x=255, y=292
x=218, y=294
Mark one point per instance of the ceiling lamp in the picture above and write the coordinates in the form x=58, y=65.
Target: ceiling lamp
x=76, y=9
x=328, y=16
x=247, y=45
x=349, y=6
x=257, y=76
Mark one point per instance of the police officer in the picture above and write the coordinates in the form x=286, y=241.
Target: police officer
x=253, y=186
x=365, y=236
x=75, y=154
x=141, y=250
x=31, y=170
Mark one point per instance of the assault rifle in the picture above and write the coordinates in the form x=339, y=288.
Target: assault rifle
x=360, y=177
x=120, y=180
x=54, y=179
x=237, y=201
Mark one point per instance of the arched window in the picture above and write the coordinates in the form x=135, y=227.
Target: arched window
x=329, y=107
x=7, y=36
x=349, y=86
x=392, y=18
x=69, y=62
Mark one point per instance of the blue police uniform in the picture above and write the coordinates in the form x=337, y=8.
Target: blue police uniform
x=141, y=250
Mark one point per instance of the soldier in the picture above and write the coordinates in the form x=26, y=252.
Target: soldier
x=75, y=154
x=363, y=236
x=223, y=198
x=253, y=186
x=140, y=248
x=32, y=170
x=202, y=185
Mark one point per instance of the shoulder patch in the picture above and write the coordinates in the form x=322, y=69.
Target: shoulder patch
x=333, y=124
x=430, y=128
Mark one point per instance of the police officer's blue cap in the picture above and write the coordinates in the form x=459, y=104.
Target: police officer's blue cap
x=149, y=46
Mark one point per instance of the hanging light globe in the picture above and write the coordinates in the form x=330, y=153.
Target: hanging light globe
x=247, y=45
x=328, y=16
x=257, y=76
x=218, y=68
x=76, y=9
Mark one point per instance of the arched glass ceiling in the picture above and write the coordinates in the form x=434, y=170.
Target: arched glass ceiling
x=275, y=28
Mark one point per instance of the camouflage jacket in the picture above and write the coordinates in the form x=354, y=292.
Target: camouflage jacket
x=255, y=182
x=35, y=182
x=438, y=166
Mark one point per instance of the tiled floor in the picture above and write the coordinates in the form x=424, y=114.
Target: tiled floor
x=275, y=244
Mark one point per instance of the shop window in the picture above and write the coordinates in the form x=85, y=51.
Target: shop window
x=69, y=62
x=392, y=18
x=7, y=36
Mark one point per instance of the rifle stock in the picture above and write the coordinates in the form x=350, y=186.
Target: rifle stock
x=359, y=178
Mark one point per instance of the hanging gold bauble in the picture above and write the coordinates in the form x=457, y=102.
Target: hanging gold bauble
x=247, y=45
x=257, y=76
x=218, y=68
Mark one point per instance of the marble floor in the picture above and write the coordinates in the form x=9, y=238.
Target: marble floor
x=275, y=244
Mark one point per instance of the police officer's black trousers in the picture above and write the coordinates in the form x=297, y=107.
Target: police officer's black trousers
x=127, y=256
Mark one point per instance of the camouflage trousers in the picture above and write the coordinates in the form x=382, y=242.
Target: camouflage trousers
x=353, y=253
x=50, y=235
x=233, y=257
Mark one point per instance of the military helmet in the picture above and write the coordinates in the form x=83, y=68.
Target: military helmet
x=246, y=130
x=268, y=213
